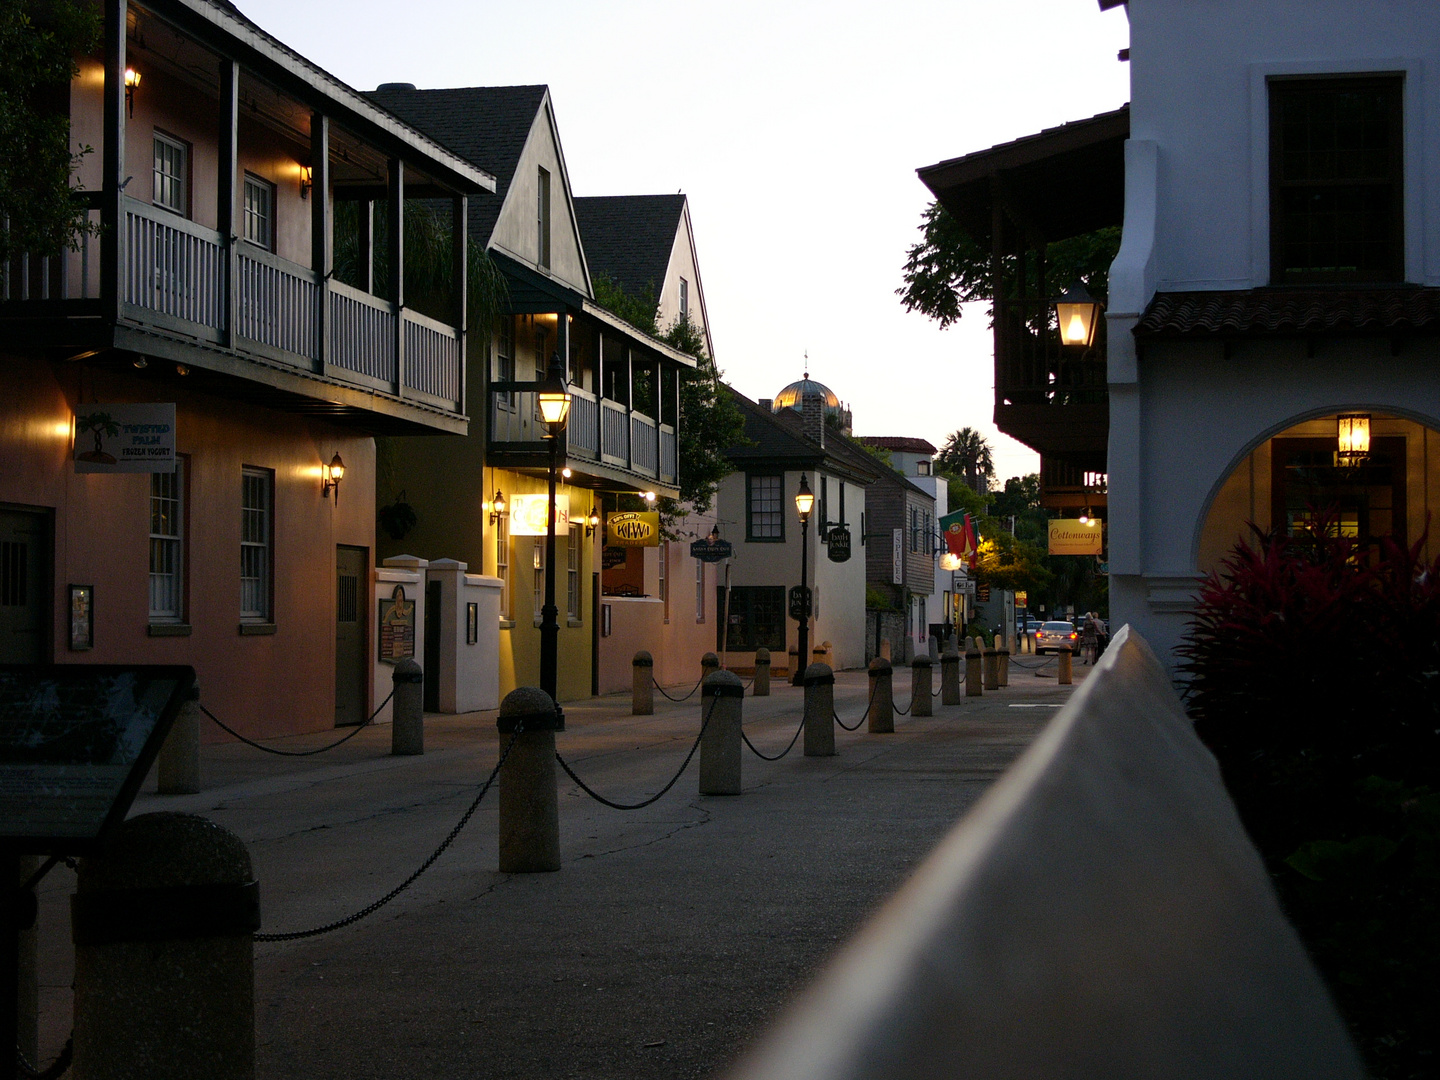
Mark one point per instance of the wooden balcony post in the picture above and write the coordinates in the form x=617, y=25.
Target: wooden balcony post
x=226, y=169
x=112, y=236
x=460, y=283
x=367, y=245
x=395, y=206
x=322, y=258
x=562, y=346
x=997, y=252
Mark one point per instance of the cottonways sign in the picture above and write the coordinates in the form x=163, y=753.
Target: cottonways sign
x=1069, y=537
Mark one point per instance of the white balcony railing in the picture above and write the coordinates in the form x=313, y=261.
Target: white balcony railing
x=174, y=267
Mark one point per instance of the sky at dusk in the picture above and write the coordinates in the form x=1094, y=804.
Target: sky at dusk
x=795, y=128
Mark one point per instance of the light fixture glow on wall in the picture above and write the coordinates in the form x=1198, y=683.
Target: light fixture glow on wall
x=649, y=496
x=132, y=80
x=331, y=476
x=497, y=508
x=1078, y=312
x=306, y=181
x=1352, y=436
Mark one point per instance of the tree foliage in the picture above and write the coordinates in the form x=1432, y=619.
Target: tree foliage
x=947, y=268
x=39, y=41
x=967, y=453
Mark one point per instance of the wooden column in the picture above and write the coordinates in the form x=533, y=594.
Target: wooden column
x=112, y=236
x=395, y=208
x=997, y=250
x=225, y=172
x=322, y=249
x=366, y=213
x=460, y=286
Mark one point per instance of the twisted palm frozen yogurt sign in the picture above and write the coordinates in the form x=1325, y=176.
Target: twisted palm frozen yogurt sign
x=126, y=438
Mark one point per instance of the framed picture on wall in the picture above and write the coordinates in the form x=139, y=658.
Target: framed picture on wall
x=472, y=623
x=82, y=617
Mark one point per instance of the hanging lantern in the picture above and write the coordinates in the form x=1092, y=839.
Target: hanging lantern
x=1078, y=313
x=1352, y=436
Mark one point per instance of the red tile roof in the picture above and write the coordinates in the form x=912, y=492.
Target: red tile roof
x=1247, y=312
x=903, y=443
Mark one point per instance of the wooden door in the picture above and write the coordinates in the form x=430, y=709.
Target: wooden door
x=351, y=636
x=25, y=592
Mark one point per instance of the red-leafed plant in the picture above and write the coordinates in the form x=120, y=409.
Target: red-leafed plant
x=1314, y=677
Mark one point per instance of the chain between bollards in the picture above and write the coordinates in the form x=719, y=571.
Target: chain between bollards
x=873, y=686
x=640, y=805
x=299, y=753
x=55, y=1069
x=295, y=935
x=687, y=697
x=782, y=753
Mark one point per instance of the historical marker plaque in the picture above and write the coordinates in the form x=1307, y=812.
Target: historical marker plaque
x=397, y=627
x=76, y=741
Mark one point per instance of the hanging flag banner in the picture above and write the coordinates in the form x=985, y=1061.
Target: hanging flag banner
x=638, y=528
x=1069, y=537
x=529, y=514
x=126, y=438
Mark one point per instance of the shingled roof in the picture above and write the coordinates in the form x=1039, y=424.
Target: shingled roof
x=776, y=438
x=486, y=125
x=629, y=238
x=1247, y=312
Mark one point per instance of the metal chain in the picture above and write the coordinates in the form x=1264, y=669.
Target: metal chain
x=902, y=712
x=1034, y=667
x=55, y=1069
x=874, y=686
x=299, y=753
x=685, y=698
x=378, y=904
x=704, y=722
x=782, y=753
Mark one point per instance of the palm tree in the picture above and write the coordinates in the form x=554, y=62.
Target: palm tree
x=967, y=453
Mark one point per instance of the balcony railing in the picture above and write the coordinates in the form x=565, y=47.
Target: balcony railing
x=599, y=430
x=175, y=277
x=1033, y=368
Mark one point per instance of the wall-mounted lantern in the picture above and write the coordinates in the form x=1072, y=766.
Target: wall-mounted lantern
x=1078, y=313
x=331, y=475
x=648, y=496
x=497, y=508
x=592, y=522
x=1352, y=437
x=132, y=80
x=307, y=181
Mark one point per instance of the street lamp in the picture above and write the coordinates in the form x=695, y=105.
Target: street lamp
x=804, y=503
x=553, y=397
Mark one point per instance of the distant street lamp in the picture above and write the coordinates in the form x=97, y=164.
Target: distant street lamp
x=1078, y=312
x=553, y=396
x=804, y=503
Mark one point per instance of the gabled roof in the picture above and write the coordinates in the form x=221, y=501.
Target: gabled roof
x=630, y=238
x=777, y=439
x=487, y=125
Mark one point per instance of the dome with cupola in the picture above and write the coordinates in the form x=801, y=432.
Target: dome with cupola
x=789, y=398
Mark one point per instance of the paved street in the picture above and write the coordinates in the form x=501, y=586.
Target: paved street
x=669, y=939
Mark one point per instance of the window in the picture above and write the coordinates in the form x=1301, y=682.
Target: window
x=664, y=562
x=823, y=530
x=167, y=545
x=539, y=563
x=1336, y=195
x=699, y=591
x=172, y=174
x=257, y=532
x=922, y=467
x=765, y=516
x=929, y=534
x=914, y=529
x=757, y=618
x=505, y=359
x=572, y=574
x=542, y=220
x=684, y=299
x=260, y=212
x=502, y=564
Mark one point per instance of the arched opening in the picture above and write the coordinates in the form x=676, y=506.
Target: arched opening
x=1385, y=491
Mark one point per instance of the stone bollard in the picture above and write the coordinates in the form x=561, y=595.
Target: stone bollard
x=920, y=685
x=762, y=673
x=178, y=767
x=1002, y=660
x=163, y=922
x=882, y=700
x=722, y=698
x=709, y=664
x=974, y=675
x=819, y=711
x=818, y=655
x=991, y=657
x=1066, y=673
x=407, y=709
x=529, y=812
x=950, y=674
x=885, y=649
x=642, y=684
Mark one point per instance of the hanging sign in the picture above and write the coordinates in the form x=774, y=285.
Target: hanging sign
x=397, y=627
x=1069, y=537
x=838, y=544
x=633, y=529
x=126, y=438
x=530, y=514
x=711, y=550
x=799, y=601
x=897, y=557
x=611, y=557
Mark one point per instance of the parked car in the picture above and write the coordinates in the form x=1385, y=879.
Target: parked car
x=1054, y=636
x=1032, y=625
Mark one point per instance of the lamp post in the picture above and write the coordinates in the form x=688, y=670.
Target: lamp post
x=804, y=502
x=553, y=398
